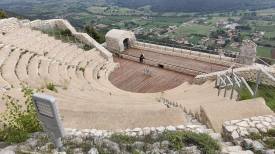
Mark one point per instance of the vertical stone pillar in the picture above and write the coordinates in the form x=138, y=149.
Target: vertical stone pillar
x=247, y=53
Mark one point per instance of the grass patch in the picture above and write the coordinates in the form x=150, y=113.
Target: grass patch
x=51, y=87
x=82, y=69
x=263, y=52
x=270, y=143
x=177, y=140
x=256, y=136
x=194, y=39
x=264, y=91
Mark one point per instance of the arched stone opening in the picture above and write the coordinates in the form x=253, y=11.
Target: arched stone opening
x=126, y=44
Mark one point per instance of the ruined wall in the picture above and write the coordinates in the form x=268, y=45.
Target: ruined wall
x=247, y=53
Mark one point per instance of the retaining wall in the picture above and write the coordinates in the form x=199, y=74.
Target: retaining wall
x=238, y=130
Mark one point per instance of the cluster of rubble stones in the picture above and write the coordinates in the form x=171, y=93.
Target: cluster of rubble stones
x=238, y=131
x=235, y=141
x=99, y=138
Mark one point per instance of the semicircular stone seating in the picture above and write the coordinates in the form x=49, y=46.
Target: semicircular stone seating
x=88, y=101
x=85, y=96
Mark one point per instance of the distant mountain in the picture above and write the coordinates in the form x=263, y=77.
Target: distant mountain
x=195, y=5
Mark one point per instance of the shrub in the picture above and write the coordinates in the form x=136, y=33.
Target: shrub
x=66, y=32
x=82, y=69
x=51, y=87
x=177, y=140
x=256, y=136
x=270, y=143
x=245, y=96
x=271, y=133
x=65, y=83
x=17, y=122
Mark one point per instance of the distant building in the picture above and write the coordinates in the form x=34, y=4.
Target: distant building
x=235, y=44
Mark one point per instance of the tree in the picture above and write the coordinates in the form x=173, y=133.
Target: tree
x=94, y=34
x=254, y=13
x=3, y=14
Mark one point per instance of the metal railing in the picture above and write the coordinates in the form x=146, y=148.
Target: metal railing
x=263, y=86
x=232, y=56
x=162, y=63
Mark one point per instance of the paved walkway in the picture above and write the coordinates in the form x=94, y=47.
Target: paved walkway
x=177, y=61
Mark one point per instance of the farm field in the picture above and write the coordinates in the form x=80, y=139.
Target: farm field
x=263, y=52
x=151, y=25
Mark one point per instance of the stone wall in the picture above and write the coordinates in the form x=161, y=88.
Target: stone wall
x=249, y=73
x=205, y=57
x=8, y=25
x=166, y=66
x=238, y=130
x=112, y=44
x=64, y=24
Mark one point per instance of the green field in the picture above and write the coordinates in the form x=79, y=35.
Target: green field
x=195, y=29
x=79, y=13
x=194, y=39
x=263, y=51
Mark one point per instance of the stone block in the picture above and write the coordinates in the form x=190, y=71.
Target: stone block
x=260, y=126
x=244, y=133
x=170, y=128
x=231, y=128
x=264, y=130
x=257, y=146
x=235, y=135
x=242, y=124
x=247, y=143
x=253, y=130
x=160, y=129
x=98, y=133
x=268, y=119
x=180, y=127
x=235, y=148
x=266, y=123
x=269, y=151
x=93, y=151
x=216, y=136
x=137, y=129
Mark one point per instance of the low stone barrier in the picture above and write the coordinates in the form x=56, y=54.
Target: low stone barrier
x=241, y=129
x=135, y=131
x=205, y=57
x=166, y=66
